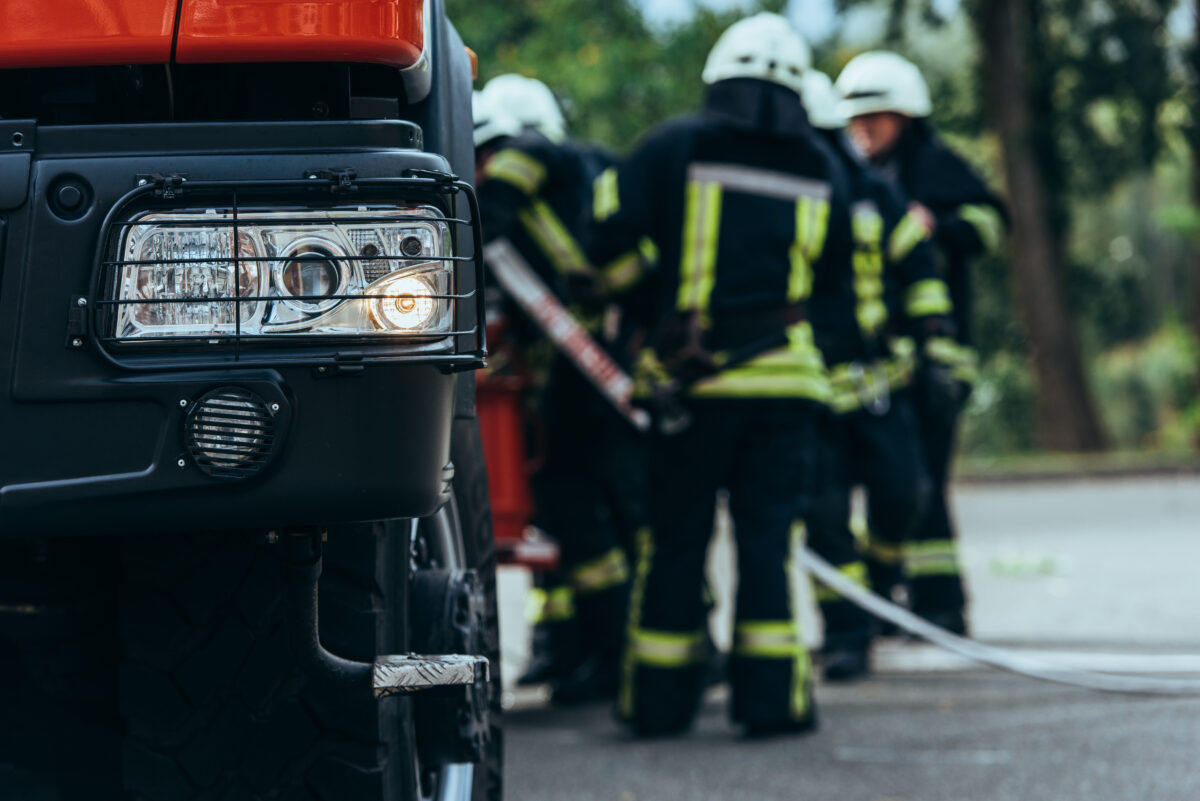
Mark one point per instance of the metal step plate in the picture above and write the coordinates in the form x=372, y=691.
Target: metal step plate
x=401, y=675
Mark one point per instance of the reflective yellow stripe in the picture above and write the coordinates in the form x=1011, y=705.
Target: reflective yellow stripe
x=649, y=251
x=801, y=661
x=852, y=384
x=766, y=639
x=553, y=238
x=644, y=543
x=514, y=167
x=907, y=234
x=628, y=269
x=602, y=573
x=622, y=272
x=698, y=265
x=855, y=385
x=927, y=297
x=667, y=649
x=962, y=360
x=549, y=606
x=987, y=223
x=812, y=226
x=931, y=558
x=648, y=373
x=794, y=371
x=606, y=199
x=890, y=553
x=867, y=226
x=855, y=571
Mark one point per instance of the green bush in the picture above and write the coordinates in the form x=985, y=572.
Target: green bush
x=999, y=418
x=1146, y=391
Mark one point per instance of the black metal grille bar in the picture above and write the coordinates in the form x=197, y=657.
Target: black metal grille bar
x=213, y=221
x=380, y=257
x=247, y=202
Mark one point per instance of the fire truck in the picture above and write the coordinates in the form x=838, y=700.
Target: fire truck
x=245, y=539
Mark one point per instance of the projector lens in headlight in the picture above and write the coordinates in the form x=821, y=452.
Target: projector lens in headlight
x=369, y=270
x=311, y=276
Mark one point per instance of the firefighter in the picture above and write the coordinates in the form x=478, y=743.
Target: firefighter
x=535, y=190
x=744, y=209
x=874, y=439
x=888, y=104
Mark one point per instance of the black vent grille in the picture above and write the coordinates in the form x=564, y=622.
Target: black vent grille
x=230, y=433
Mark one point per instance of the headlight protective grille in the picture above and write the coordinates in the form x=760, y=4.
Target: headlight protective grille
x=369, y=268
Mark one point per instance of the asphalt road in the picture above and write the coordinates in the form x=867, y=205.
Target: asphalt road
x=1089, y=574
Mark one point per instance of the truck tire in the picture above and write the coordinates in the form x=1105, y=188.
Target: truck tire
x=475, y=516
x=214, y=708
x=212, y=703
x=149, y=667
x=58, y=713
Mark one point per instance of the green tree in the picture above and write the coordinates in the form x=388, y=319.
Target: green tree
x=617, y=77
x=1073, y=89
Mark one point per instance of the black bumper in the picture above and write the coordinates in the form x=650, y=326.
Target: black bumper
x=90, y=443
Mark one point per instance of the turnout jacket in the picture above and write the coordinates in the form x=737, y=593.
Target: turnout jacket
x=537, y=194
x=744, y=211
x=889, y=293
x=971, y=219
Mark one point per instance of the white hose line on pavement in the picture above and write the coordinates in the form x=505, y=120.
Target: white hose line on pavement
x=986, y=654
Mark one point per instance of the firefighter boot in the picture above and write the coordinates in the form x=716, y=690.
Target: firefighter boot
x=554, y=645
x=846, y=664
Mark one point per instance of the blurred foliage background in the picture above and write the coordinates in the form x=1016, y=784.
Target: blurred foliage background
x=1114, y=87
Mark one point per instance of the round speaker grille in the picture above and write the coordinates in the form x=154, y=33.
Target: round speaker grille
x=229, y=433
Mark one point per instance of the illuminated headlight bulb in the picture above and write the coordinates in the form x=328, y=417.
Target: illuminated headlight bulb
x=409, y=305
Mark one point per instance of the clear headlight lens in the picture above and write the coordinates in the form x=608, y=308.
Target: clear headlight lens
x=300, y=271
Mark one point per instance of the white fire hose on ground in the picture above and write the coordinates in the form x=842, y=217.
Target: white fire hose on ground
x=1001, y=658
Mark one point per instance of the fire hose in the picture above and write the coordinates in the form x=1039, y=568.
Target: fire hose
x=1001, y=658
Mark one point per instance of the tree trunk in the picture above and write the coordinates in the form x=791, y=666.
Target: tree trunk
x=1193, y=139
x=1066, y=416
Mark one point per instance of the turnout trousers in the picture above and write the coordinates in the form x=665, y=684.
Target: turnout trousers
x=586, y=443
x=761, y=451
x=931, y=557
x=882, y=452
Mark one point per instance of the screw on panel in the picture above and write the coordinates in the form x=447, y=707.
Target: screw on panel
x=142, y=182
x=81, y=302
x=274, y=407
x=183, y=403
x=322, y=369
x=182, y=464
x=272, y=537
x=76, y=343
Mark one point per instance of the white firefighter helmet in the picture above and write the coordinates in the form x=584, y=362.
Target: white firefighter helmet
x=822, y=102
x=882, y=81
x=530, y=101
x=764, y=46
x=491, y=120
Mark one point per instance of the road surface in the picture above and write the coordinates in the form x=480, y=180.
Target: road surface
x=1089, y=574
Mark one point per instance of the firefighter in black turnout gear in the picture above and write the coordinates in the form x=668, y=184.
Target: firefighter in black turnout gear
x=535, y=190
x=888, y=103
x=884, y=300
x=745, y=208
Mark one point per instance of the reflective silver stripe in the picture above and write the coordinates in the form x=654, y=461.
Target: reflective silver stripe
x=757, y=181
x=865, y=207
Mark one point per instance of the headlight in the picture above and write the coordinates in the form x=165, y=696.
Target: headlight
x=370, y=270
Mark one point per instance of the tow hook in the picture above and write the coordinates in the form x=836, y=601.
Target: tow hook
x=388, y=675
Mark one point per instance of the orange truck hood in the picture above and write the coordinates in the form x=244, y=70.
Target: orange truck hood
x=74, y=33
